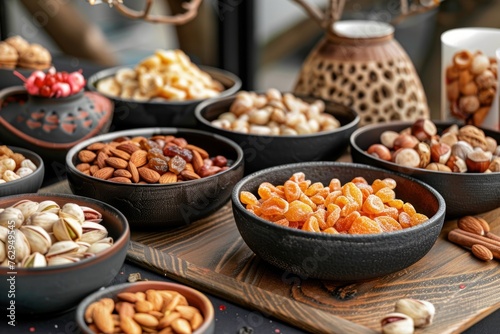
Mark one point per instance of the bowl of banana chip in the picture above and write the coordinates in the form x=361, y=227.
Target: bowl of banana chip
x=161, y=90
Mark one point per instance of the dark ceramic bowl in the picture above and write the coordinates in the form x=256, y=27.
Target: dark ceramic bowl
x=341, y=257
x=194, y=298
x=60, y=288
x=162, y=206
x=28, y=184
x=51, y=126
x=135, y=114
x=268, y=151
x=464, y=193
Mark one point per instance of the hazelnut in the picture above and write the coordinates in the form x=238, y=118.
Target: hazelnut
x=478, y=161
x=449, y=138
x=486, y=80
x=397, y=323
x=486, y=96
x=405, y=141
x=461, y=149
x=456, y=164
x=387, y=138
x=453, y=91
x=423, y=129
x=469, y=103
x=480, y=63
x=424, y=152
x=491, y=144
x=494, y=165
x=440, y=153
x=463, y=59
x=470, y=88
x=452, y=73
x=438, y=167
x=379, y=151
x=407, y=157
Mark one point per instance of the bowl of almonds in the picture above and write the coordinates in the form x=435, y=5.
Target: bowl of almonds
x=21, y=171
x=462, y=162
x=275, y=128
x=337, y=221
x=152, y=307
x=158, y=177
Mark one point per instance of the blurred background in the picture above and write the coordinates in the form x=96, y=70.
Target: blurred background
x=264, y=42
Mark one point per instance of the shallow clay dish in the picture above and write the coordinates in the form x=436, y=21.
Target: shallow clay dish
x=194, y=297
x=27, y=184
x=56, y=289
x=342, y=257
x=464, y=193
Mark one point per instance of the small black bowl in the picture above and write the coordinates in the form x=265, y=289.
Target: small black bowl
x=162, y=206
x=464, y=193
x=340, y=257
x=268, y=151
x=28, y=184
x=56, y=289
x=130, y=114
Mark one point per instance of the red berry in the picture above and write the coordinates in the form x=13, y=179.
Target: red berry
x=65, y=76
x=59, y=77
x=38, y=82
x=49, y=80
x=45, y=91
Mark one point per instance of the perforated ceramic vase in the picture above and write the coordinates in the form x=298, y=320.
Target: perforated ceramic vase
x=361, y=65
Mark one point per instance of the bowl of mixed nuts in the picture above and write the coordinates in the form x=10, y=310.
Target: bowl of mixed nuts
x=55, y=249
x=21, y=171
x=462, y=162
x=275, y=128
x=152, y=306
x=337, y=221
x=158, y=177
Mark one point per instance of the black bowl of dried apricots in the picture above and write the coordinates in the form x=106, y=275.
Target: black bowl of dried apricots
x=337, y=221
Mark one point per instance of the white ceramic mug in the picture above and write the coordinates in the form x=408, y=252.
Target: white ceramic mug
x=486, y=40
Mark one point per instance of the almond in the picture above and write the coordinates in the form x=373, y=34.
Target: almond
x=155, y=298
x=89, y=312
x=128, y=147
x=104, y=173
x=148, y=175
x=86, y=156
x=129, y=325
x=202, y=152
x=484, y=224
x=196, y=321
x=103, y=319
x=120, y=154
x=145, y=319
x=470, y=224
x=181, y=326
x=139, y=158
x=101, y=159
x=144, y=306
x=115, y=162
x=187, y=312
x=482, y=253
x=83, y=167
x=127, y=296
x=120, y=179
x=167, y=320
x=96, y=146
x=189, y=175
x=168, y=177
x=125, y=309
x=197, y=161
x=123, y=173
x=93, y=169
x=133, y=171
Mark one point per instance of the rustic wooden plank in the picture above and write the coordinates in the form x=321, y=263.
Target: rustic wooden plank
x=211, y=256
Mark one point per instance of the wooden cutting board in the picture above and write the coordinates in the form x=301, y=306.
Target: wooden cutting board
x=211, y=256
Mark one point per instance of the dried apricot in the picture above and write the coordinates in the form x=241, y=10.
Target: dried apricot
x=409, y=209
x=274, y=206
x=373, y=205
x=311, y=225
x=388, y=223
x=396, y=203
x=323, y=192
x=386, y=194
x=335, y=185
x=282, y=222
x=332, y=214
x=331, y=230
x=298, y=177
x=350, y=190
x=344, y=224
x=298, y=211
x=303, y=198
x=359, y=180
x=365, y=225
x=418, y=218
x=320, y=215
x=247, y=197
x=404, y=220
x=313, y=189
x=379, y=184
x=332, y=197
x=292, y=191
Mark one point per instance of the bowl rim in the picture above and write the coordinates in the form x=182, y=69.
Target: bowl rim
x=144, y=285
x=155, y=130
x=203, y=105
x=123, y=239
x=94, y=78
x=362, y=130
x=39, y=170
x=360, y=238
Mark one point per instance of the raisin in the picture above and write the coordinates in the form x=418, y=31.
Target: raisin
x=156, y=152
x=148, y=144
x=176, y=164
x=159, y=165
x=219, y=160
x=172, y=150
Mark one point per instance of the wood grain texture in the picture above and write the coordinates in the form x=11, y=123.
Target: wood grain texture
x=211, y=256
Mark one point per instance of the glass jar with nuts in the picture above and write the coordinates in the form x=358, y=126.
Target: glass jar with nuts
x=455, y=149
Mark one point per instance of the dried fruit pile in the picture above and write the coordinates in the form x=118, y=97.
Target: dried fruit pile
x=356, y=207
x=53, y=84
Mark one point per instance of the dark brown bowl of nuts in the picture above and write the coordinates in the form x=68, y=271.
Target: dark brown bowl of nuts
x=158, y=177
x=460, y=161
x=55, y=249
x=21, y=171
x=146, y=307
x=275, y=128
